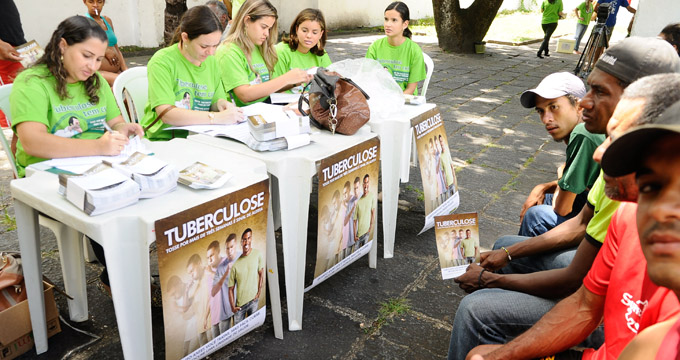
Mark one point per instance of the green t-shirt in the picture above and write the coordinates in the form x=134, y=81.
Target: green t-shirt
x=34, y=98
x=236, y=71
x=289, y=60
x=445, y=165
x=551, y=12
x=585, y=12
x=603, y=210
x=468, y=247
x=171, y=76
x=581, y=170
x=363, y=213
x=405, y=62
x=245, y=274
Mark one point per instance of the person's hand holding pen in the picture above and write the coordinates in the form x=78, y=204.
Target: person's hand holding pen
x=228, y=113
x=113, y=141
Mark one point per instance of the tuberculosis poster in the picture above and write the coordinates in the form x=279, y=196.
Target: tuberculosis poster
x=211, y=261
x=348, y=208
x=440, y=186
x=457, y=242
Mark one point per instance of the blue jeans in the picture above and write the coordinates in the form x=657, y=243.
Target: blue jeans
x=580, y=30
x=540, y=218
x=246, y=310
x=529, y=264
x=496, y=316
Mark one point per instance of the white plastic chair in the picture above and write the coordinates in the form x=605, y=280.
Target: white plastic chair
x=406, y=166
x=132, y=85
x=60, y=230
x=429, y=68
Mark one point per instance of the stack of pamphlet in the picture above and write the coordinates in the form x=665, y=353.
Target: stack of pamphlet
x=111, y=186
x=99, y=190
x=201, y=176
x=154, y=177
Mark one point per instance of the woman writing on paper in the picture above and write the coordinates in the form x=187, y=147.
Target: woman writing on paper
x=113, y=63
x=187, y=66
x=304, y=49
x=63, y=89
x=397, y=53
x=247, y=57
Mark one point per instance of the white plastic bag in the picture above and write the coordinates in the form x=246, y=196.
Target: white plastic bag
x=385, y=95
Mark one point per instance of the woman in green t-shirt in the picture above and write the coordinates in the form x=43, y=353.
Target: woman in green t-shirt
x=61, y=106
x=184, y=79
x=247, y=57
x=402, y=57
x=552, y=11
x=304, y=48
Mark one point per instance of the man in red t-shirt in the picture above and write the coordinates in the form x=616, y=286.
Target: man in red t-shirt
x=616, y=289
x=655, y=158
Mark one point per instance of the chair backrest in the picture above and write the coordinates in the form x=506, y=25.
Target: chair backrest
x=132, y=85
x=429, y=66
x=4, y=106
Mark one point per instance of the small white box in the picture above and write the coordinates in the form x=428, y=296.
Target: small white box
x=565, y=45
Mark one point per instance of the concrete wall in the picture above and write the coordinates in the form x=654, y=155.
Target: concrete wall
x=140, y=22
x=652, y=16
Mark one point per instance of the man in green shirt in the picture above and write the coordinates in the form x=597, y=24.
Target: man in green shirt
x=364, y=216
x=556, y=101
x=470, y=248
x=247, y=275
x=584, y=13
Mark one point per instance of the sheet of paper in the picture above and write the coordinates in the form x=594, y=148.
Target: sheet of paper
x=296, y=141
x=286, y=126
x=284, y=98
x=77, y=162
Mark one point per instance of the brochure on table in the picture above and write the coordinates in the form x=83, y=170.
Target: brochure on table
x=211, y=261
x=348, y=202
x=457, y=242
x=440, y=186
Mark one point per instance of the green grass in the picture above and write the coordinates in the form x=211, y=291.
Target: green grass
x=388, y=310
x=8, y=221
x=421, y=194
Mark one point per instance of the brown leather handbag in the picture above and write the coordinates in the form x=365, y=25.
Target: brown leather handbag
x=335, y=103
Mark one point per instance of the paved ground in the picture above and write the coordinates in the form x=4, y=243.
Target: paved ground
x=501, y=151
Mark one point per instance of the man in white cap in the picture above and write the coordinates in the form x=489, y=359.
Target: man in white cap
x=556, y=100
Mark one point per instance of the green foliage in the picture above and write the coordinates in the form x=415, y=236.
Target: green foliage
x=421, y=194
x=388, y=310
x=8, y=221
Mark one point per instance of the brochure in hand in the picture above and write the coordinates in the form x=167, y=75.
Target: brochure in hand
x=201, y=176
x=30, y=52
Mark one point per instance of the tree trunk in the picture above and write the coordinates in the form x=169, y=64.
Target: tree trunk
x=174, y=9
x=458, y=29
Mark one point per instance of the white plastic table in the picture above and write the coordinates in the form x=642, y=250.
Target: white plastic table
x=125, y=235
x=395, y=149
x=294, y=169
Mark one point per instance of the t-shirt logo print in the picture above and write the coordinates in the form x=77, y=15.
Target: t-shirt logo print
x=634, y=311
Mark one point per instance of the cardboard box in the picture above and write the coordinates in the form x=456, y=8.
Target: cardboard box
x=565, y=45
x=16, y=335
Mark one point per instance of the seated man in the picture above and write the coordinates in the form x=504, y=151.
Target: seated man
x=483, y=317
x=556, y=100
x=617, y=288
x=658, y=219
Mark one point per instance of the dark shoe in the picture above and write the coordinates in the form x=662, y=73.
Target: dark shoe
x=540, y=56
x=546, y=55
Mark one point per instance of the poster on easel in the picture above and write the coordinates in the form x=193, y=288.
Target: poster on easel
x=457, y=238
x=211, y=262
x=440, y=186
x=348, y=208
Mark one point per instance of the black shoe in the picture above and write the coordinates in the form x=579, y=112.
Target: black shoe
x=546, y=55
x=539, y=55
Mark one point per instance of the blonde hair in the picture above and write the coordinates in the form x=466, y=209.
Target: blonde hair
x=254, y=10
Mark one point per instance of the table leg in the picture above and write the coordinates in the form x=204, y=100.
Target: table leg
x=273, y=273
x=294, y=200
x=29, y=243
x=406, y=154
x=390, y=163
x=72, y=266
x=127, y=260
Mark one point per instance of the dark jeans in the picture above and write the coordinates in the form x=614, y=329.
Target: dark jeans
x=548, y=29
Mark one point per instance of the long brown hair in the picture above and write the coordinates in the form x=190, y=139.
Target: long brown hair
x=197, y=21
x=255, y=10
x=304, y=15
x=74, y=30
